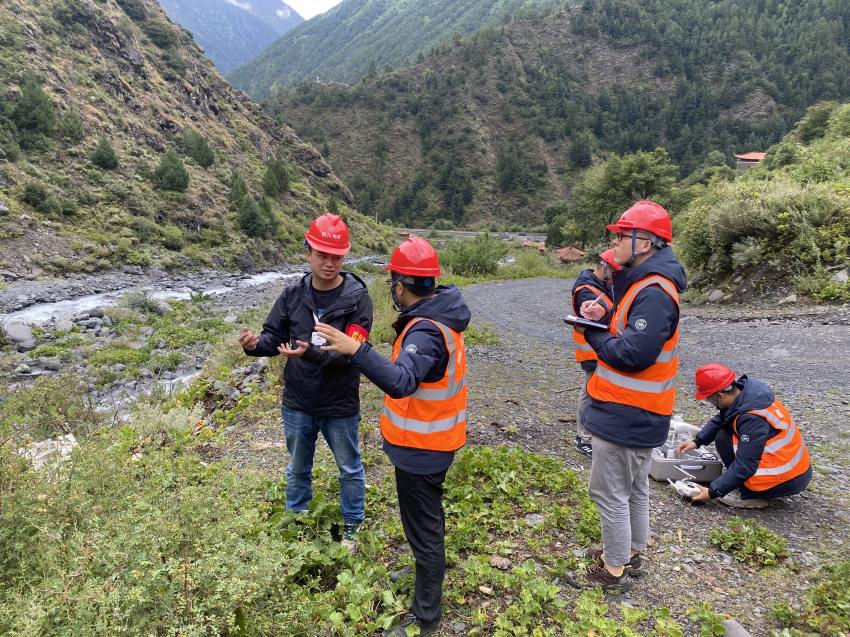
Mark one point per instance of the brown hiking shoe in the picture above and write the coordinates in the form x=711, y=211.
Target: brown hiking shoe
x=600, y=576
x=634, y=567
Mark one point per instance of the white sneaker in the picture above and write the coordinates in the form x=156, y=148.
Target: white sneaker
x=735, y=501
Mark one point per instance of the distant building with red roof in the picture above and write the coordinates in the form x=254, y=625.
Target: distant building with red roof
x=748, y=160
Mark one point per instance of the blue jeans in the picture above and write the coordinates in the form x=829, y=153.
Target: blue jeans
x=341, y=434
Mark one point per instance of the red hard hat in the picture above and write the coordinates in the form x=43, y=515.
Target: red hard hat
x=711, y=378
x=415, y=257
x=645, y=215
x=608, y=257
x=328, y=233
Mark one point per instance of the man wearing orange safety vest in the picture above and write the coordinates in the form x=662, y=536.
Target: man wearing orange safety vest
x=758, y=441
x=424, y=416
x=633, y=388
x=590, y=285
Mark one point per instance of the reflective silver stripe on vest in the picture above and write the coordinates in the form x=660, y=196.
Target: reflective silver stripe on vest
x=583, y=347
x=454, y=388
x=666, y=357
x=636, y=289
x=422, y=426
x=782, y=441
x=775, y=471
x=627, y=382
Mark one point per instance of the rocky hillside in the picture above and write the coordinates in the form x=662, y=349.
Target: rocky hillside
x=230, y=32
x=358, y=37
x=121, y=144
x=495, y=127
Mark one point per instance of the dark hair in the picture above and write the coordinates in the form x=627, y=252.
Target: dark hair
x=418, y=285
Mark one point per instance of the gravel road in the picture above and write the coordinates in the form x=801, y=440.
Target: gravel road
x=523, y=392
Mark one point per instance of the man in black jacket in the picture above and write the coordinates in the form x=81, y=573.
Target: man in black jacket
x=321, y=389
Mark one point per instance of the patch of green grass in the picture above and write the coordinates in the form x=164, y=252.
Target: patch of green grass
x=483, y=335
x=109, y=356
x=825, y=608
x=749, y=542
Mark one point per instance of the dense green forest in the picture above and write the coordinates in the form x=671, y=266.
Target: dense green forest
x=496, y=127
x=359, y=37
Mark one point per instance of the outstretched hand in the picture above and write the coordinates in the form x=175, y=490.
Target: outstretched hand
x=337, y=341
x=248, y=340
x=703, y=495
x=298, y=352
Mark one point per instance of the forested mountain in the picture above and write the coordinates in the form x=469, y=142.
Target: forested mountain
x=120, y=143
x=495, y=127
x=359, y=36
x=232, y=32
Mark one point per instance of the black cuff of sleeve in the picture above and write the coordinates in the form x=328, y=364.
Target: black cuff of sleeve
x=714, y=494
x=363, y=349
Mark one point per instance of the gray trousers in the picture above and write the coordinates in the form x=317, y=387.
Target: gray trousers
x=619, y=485
x=583, y=399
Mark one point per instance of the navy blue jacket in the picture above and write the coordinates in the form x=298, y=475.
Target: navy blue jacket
x=423, y=358
x=319, y=383
x=587, y=277
x=753, y=433
x=635, y=350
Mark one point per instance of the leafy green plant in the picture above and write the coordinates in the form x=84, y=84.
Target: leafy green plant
x=104, y=156
x=483, y=335
x=749, y=542
x=171, y=174
x=710, y=623
x=469, y=258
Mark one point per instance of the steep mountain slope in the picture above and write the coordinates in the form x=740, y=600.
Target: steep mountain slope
x=95, y=98
x=495, y=127
x=342, y=44
x=232, y=32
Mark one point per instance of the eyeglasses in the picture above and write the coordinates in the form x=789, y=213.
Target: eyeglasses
x=713, y=400
x=621, y=235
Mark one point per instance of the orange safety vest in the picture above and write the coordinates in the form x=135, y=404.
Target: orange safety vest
x=653, y=389
x=785, y=455
x=584, y=352
x=434, y=416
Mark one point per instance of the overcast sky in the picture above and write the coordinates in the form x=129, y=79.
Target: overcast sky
x=309, y=8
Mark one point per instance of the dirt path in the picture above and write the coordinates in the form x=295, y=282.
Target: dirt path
x=523, y=392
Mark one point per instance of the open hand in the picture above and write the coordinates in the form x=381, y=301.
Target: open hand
x=298, y=352
x=337, y=341
x=592, y=310
x=248, y=340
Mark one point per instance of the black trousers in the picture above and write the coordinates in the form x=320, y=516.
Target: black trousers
x=723, y=444
x=420, y=500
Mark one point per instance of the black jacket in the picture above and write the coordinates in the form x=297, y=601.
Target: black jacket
x=423, y=358
x=322, y=384
x=753, y=434
x=635, y=350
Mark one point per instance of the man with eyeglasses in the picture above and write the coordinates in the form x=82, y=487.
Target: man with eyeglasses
x=633, y=389
x=757, y=440
x=424, y=418
x=321, y=389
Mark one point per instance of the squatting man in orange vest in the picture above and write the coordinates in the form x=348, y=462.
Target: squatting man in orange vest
x=633, y=388
x=424, y=417
x=756, y=438
x=590, y=285
x=321, y=389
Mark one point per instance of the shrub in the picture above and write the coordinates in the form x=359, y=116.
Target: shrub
x=469, y=258
x=171, y=174
x=250, y=218
x=35, y=193
x=160, y=33
x=238, y=190
x=134, y=8
x=141, y=302
x=34, y=114
x=104, y=156
x=564, y=230
x=71, y=127
x=196, y=147
x=814, y=122
x=51, y=406
x=172, y=237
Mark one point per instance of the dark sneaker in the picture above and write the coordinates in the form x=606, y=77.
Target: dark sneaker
x=409, y=621
x=634, y=567
x=600, y=576
x=583, y=446
x=349, y=537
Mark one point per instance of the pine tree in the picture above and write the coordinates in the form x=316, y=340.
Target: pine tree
x=171, y=174
x=34, y=115
x=238, y=190
x=71, y=127
x=104, y=156
x=250, y=218
x=196, y=147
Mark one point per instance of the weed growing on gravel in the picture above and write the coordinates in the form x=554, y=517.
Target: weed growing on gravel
x=749, y=542
x=710, y=623
x=825, y=608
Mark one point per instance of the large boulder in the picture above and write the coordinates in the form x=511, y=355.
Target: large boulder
x=842, y=276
